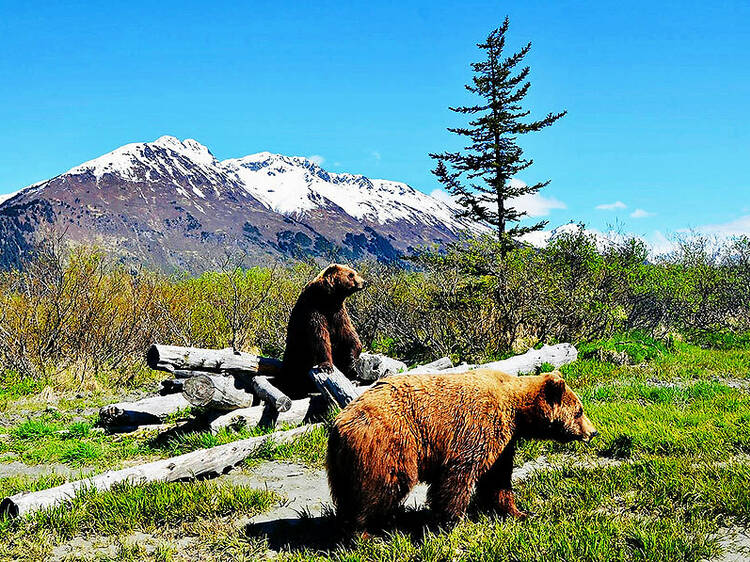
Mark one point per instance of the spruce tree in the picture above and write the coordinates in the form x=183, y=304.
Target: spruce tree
x=480, y=176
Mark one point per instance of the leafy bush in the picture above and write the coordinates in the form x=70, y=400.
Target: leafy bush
x=73, y=317
x=637, y=346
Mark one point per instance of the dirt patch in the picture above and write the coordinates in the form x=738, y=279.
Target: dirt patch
x=735, y=544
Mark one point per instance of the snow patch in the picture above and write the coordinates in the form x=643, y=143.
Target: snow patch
x=293, y=185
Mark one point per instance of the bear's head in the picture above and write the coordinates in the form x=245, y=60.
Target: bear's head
x=341, y=280
x=553, y=411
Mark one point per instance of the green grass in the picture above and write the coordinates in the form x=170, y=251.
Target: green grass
x=126, y=508
x=308, y=449
x=724, y=340
x=639, y=347
x=655, y=509
x=669, y=467
x=12, y=385
x=46, y=440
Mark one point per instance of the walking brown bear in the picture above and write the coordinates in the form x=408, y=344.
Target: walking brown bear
x=456, y=432
x=320, y=331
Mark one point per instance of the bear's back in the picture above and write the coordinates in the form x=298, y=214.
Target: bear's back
x=434, y=400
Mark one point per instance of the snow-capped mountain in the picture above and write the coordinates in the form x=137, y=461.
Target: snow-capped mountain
x=172, y=203
x=296, y=186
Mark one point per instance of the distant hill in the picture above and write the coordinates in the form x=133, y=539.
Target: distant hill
x=172, y=204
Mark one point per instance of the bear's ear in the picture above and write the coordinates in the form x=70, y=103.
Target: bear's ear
x=554, y=388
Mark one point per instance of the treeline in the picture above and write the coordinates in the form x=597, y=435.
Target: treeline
x=77, y=313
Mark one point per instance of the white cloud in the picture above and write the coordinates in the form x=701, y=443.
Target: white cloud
x=612, y=206
x=537, y=205
x=534, y=204
x=641, y=214
x=737, y=227
x=316, y=159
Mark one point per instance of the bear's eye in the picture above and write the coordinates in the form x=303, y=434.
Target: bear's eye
x=351, y=276
x=579, y=413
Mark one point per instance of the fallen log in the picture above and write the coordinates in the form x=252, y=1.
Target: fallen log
x=267, y=392
x=335, y=386
x=374, y=366
x=438, y=365
x=225, y=393
x=556, y=355
x=300, y=411
x=217, y=392
x=187, y=466
x=148, y=411
x=172, y=358
x=138, y=429
x=529, y=362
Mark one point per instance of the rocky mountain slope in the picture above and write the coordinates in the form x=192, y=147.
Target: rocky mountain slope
x=172, y=204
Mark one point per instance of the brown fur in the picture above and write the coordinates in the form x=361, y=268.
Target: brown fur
x=320, y=331
x=456, y=432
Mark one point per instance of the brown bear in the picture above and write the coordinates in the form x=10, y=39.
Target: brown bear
x=320, y=331
x=456, y=432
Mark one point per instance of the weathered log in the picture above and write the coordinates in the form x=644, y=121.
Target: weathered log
x=139, y=429
x=556, y=355
x=217, y=392
x=267, y=392
x=301, y=411
x=172, y=358
x=187, y=466
x=186, y=373
x=334, y=385
x=529, y=362
x=439, y=364
x=171, y=386
x=143, y=412
x=374, y=366
x=225, y=393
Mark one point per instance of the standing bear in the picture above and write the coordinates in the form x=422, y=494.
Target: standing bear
x=456, y=432
x=320, y=331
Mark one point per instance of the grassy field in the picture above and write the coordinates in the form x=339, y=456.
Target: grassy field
x=666, y=476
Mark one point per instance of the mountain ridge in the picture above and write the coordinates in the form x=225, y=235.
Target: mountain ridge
x=172, y=203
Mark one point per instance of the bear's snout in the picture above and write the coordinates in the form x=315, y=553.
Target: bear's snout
x=588, y=431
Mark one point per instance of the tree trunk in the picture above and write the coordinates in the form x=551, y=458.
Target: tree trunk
x=301, y=411
x=187, y=466
x=143, y=412
x=171, y=358
x=374, y=366
x=335, y=386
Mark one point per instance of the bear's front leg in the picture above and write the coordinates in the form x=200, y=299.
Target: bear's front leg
x=495, y=490
x=322, y=354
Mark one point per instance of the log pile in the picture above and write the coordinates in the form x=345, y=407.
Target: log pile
x=232, y=388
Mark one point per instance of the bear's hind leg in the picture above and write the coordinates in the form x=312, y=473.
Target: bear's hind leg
x=375, y=505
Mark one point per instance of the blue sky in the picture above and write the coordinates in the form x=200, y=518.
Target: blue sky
x=657, y=93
